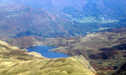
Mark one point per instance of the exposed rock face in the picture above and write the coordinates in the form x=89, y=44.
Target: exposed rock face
x=121, y=71
x=14, y=61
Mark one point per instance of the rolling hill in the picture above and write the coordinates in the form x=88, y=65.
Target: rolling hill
x=14, y=61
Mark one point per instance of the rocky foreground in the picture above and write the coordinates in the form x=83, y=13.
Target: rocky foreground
x=14, y=61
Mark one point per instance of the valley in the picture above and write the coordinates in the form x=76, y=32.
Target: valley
x=62, y=37
x=46, y=52
x=105, y=50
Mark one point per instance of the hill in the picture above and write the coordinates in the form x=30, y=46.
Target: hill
x=104, y=50
x=14, y=61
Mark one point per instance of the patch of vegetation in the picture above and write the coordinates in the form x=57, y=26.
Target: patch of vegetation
x=18, y=62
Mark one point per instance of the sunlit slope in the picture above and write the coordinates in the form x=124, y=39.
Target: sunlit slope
x=14, y=61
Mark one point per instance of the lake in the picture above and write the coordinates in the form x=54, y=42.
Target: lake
x=46, y=52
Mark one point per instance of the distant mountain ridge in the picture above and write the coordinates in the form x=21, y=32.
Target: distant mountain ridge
x=64, y=18
x=87, y=6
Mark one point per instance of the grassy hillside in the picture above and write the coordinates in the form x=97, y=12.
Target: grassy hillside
x=14, y=61
x=106, y=50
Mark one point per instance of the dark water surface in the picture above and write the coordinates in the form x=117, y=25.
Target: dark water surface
x=46, y=52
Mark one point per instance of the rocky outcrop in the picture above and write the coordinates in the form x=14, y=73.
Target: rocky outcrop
x=121, y=71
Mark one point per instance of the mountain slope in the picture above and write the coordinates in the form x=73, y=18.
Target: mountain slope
x=14, y=61
x=53, y=18
x=105, y=50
